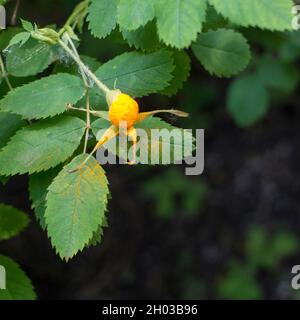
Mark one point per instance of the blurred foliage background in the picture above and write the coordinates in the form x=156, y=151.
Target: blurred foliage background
x=230, y=233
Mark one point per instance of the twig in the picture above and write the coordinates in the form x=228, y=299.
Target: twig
x=78, y=57
x=4, y=73
x=88, y=122
x=15, y=13
x=85, y=69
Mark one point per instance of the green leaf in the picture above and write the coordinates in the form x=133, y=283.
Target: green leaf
x=18, y=285
x=179, y=21
x=138, y=74
x=214, y=20
x=239, y=284
x=9, y=124
x=6, y=35
x=144, y=38
x=265, y=14
x=102, y=17
x=38, y=189
x=12, y=221
x=248, y=100
x=133, y=14
x=32, y=58
x=222, y=52
x=41, y=146
x=44, y=98
x=264, y=251
x=19, y=39
x=165, y=190
x=277, y=75
x=152, y=143
x=98, y=235
x=76, y=203
x=28, y=26
x=180, y=74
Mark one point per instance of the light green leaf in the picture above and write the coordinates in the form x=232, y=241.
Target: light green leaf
x=76, y=203
x=154, y=144
x=18, y=285
x=27, y=25
x=7, y=35
x=239, y=283
x=98, y=234
x=179, y=21
x=38, y=189
x=33, y=57
x=133, y=14
x=12, y=221
x=19, y=39
x=102, y=17
x=265, y=14
x=138, y=74
x=144, y=38
x=265, y=251
x=42, y=145
x=9, y=124
x=222, y=52
x=44, y=98
x=181, y=72
x=247, y=101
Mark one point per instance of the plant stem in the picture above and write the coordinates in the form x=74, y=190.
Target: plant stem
x=85, y=69
x=4, y=73
x=83, y=75
x=82, y=109
x=88, y=122
x=14, y=16
x=73, y=19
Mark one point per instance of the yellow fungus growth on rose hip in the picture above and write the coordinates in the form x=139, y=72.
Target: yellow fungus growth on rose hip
x=123, y=108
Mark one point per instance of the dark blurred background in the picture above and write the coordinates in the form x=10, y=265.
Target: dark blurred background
x=232, y=232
